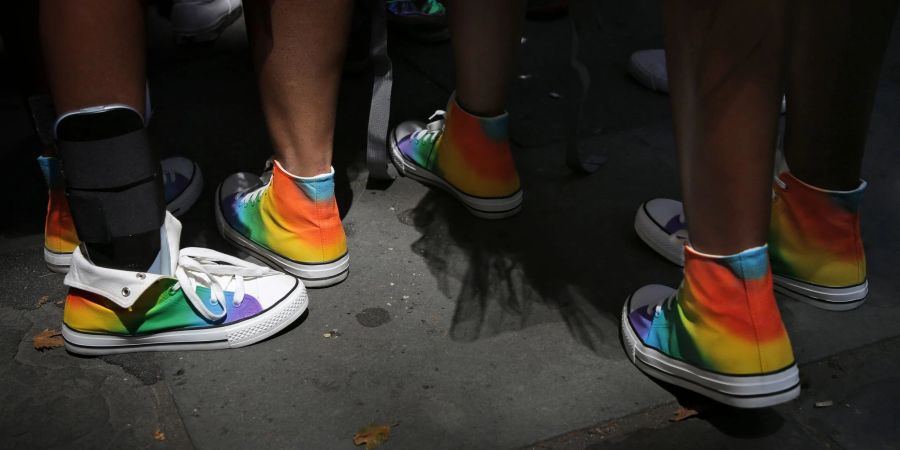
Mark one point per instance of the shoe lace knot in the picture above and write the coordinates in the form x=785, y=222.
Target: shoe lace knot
x=254, y=196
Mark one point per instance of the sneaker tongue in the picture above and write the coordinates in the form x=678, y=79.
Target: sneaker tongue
x=162, y=264
x=157, y=266
x=170, y=242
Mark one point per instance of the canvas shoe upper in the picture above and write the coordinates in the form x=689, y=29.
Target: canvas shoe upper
x=182, y=184
x=466, y=155
x=720, y=333
x=60, y=237
x=201, y=299
x=817, y=251
x=290, y=222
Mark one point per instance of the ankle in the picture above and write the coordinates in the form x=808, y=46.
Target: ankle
x=478, y=110
x=304, y=166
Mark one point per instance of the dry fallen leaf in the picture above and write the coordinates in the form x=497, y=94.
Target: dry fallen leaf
x=47, y=339
x=683, y=414
x=372, y=435
x=41, y=301
x=159, y=435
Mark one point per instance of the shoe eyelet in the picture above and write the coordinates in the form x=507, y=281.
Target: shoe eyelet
x=141, y=275
x=126, y=292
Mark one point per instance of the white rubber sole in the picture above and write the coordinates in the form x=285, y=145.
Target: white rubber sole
x=57, y=262
x=239, y=334
x=60, y=262
x=657, y=238
x=756, y=391
x=831, y=299
x=313, y=275
x=484, y=208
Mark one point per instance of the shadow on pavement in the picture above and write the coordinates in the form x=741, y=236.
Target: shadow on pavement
x=510, y=274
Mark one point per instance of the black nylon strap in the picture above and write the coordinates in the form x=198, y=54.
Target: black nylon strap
x=379, y=164
x=114, y=187
x=101, y=216
x=108, y=164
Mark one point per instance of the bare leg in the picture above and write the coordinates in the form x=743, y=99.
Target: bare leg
x=486, y=39
x=725, y=72
x=94, y=52
x=835, y=50
x=298, y=51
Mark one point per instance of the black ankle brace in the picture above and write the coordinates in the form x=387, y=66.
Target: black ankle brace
x=114, y=184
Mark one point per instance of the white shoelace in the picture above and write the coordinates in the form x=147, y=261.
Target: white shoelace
x=205, y=267
x=254, y=195
x=433, y=129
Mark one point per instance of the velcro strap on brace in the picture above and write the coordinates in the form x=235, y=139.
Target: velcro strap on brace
x=114, y=186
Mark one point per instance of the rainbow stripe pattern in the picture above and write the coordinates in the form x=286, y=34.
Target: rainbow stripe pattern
x=59, y=229
x=815, y=235
x=723, y=318
x=295, y=217
x=160, y=308
x=471, y=153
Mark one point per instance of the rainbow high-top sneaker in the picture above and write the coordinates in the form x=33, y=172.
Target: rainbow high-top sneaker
x=182, y=184
x=199, y=300
x=60, y=238
x=289, y=221
x=814, y=241
x=465, y=155
x=720, y=334
x=816, y=247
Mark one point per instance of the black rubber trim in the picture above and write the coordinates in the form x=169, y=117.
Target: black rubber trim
x=141, y=345
x=643, y=366
x=824, y=302
x=56, y=253
x=819, y=285
x=322, y=279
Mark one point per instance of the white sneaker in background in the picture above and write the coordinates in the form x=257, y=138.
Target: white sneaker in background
x=203, y=20
x=648, y=67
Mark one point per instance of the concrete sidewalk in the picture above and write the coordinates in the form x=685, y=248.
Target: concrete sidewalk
x=464, y=333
